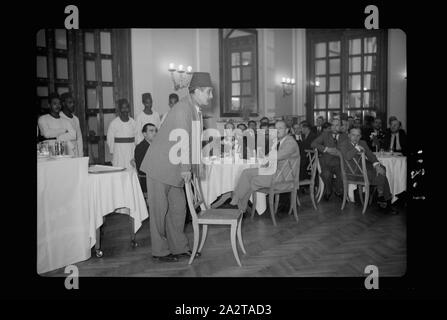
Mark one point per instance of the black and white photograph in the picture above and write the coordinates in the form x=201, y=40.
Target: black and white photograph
x=221, y=152
x=198, y=156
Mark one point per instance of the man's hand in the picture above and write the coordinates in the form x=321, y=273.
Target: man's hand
x=332, y=151
x=380, y=170
x=361, y=149
x=186, y=176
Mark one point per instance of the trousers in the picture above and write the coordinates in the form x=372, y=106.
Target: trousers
x=167, y=213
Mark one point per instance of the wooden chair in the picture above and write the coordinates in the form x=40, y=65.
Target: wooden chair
x=355, y=173
x=285, y=179
x=312, y=168
x=207, y=216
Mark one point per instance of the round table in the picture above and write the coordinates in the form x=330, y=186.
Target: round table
x=396, y=172
x=221, y=177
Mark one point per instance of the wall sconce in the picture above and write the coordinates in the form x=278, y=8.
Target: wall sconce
x=287, y=86
x=183, y=78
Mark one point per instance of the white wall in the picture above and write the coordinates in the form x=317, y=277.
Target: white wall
x=397, y=71
x=281, y=53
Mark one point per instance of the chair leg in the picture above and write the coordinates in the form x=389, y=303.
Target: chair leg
x=298, y=199
x=276, y=202
x=253, y=210
x=204, y=232
x=233, y=242
x=345, y=195
x=365, y=205
x=291, y=203
x=239, y=235
x=272, y=211
x=196, y=229
x=312, y=195
x=320, y=189
x=359, y=188
x=295, y=211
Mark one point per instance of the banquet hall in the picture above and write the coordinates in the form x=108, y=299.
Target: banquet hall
x=108, y=102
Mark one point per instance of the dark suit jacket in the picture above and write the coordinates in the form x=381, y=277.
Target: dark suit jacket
x=156, y=163
x=306, y=143
x=317, y=131
x=402, y=141
x=140, y=152
x=326, y=140
x=350, y=153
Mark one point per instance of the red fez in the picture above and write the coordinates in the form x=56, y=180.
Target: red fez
x=200, y=79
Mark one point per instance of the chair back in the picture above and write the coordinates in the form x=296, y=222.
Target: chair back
x=314, y=163
x=288, y=174
x=194, y=197
x=354, y=170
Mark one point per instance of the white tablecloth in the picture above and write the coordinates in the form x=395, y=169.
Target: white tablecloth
x=222, y=178
x=396, y=173
x=62, y=213
x=111, y=191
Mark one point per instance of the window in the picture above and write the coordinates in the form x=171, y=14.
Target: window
x=53, y=65
x=238, y=59
x=347, y=73
x=91, y=65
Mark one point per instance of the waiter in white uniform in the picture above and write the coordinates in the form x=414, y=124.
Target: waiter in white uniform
x=121, y=136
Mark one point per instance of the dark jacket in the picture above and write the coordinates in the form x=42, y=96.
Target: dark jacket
x=140, y=152
x=402, y=141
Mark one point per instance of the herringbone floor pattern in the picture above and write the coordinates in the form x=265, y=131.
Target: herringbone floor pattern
x=325, y=243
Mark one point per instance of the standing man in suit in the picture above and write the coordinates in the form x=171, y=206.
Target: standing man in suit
x=351, y=150
x=327, y=144
x=250, y=179
x=165, y=178
x=395, y=138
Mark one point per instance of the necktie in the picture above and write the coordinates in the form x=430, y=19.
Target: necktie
x=335, y=136
x=277, y=145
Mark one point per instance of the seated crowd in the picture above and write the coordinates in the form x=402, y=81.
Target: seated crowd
x=128, y=140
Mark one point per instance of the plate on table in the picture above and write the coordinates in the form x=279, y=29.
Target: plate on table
x=98, y=169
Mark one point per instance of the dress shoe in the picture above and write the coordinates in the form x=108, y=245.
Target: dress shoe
x=168, y=258
x=339, y=195
x=187, y=254
x=390, y=209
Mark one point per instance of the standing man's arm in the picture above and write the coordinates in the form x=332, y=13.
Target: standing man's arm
x=70, y=133
x=48, y=132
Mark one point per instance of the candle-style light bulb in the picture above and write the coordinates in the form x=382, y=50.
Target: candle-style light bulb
x=283, y=80
x=288, y=80
x=292, y=81
x=189, y=69
x=171, y=66
x=180, y=67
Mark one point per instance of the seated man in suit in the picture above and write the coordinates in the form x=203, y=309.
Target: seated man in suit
x=318, y=128
x=375, y=136
x=250, y=179
x=327, y=144
x=149, y=131
x=351, y=150
x=304, y=142
x=395, y=138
